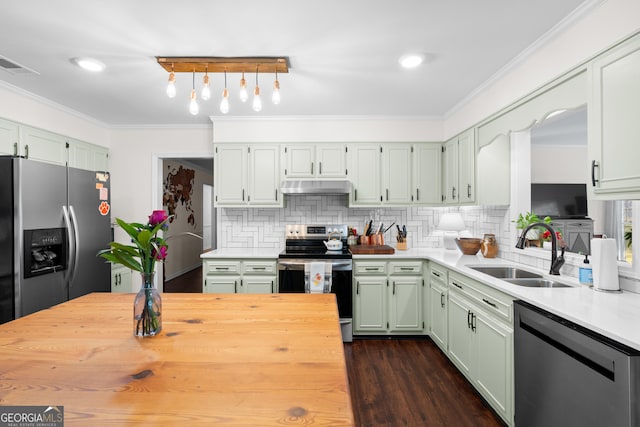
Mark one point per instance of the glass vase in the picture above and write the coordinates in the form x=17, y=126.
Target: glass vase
x=147, y=309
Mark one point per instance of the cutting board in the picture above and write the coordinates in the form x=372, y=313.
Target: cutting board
x=371, y=250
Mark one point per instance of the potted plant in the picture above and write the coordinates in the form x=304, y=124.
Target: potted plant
x=528, y=218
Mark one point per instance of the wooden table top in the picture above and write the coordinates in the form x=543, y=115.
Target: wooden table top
x=238, y=360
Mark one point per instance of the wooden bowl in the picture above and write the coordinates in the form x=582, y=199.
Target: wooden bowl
x=469, y=245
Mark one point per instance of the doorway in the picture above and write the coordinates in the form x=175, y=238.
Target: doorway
x=184, y=187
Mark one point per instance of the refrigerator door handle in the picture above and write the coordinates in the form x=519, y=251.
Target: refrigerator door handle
x=72, y=237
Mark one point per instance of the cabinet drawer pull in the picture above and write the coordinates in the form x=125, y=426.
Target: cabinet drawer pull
x=258, y=268
x=357, y=288
x=469, y=191
x=469, y=314
x=394, y=287
x=319, y=168
x=26, y=151
x=473, y=322
x=407, y=268
x=235, y=286
x=490, y=303
x=15, y=148
x=222, y=268
x=435, y=273
x=453, y=193
x=441, y=300
x=311, y=168
x=594, y=165
x=456, y=285
x=417, y=194
x=371, y=268
x=387, y=195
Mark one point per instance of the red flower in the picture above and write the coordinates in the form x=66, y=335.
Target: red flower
x=160, y=255
x=157, y=217
x=547, y=235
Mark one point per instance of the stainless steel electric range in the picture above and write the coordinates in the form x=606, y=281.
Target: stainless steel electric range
x=304, y=245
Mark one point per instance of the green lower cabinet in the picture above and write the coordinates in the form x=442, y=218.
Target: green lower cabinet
x=228, y=276
x=370, y=304
x=481, y=345
x=405, y=310
x=437, y=306
x=258, y=285
x=221, y=284
x=388, y=298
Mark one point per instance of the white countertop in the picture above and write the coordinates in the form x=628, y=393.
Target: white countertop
x=615, y=315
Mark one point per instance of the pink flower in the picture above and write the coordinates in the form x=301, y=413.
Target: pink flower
x=160, y=255
x=157, y=217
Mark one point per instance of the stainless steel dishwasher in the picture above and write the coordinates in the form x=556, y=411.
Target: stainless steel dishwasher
x=567, y=375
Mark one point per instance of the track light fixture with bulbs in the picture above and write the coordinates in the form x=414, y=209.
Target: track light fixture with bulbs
x=208, y=65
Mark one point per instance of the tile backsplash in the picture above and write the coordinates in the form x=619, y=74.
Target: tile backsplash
x=264, y=228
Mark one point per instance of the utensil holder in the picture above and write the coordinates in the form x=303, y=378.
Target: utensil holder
x=364, y=240
x=377, y=239
x=402, y=246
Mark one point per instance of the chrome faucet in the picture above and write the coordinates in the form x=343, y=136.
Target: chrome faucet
x=556, y=261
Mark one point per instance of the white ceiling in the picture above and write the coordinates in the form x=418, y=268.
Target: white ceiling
x=343, y=53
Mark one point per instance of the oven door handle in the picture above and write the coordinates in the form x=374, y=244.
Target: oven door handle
x=335, y=265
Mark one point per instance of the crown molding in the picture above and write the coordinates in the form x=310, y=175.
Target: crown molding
x=581, y=11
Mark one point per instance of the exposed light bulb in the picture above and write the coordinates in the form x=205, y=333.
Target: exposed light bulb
x=244, y=94
x=171, y=86
x=257, y=102
x=206, y=90
x=193, y=105
x=275, y=97
x=224, y=104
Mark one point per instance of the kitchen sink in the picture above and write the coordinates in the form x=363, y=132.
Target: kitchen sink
x=506, y=272
x=537, y=283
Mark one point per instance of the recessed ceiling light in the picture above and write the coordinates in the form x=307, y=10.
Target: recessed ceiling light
x=411, y=60
x=89, y=64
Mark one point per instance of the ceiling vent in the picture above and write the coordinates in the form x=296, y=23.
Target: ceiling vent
x=13, y=67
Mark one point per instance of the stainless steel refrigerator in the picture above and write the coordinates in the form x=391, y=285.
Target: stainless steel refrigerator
x=53, y=221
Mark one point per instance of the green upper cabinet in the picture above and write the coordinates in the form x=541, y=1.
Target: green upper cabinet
x=264, y=176
x=247, y=175
x=230, y=175
x=459, y=161
x=365, y=171
x=9, y=137
x=83, y=155
x=43, y=146
x=614, y=125
x=427, y=173
x=306, y=161
x=396, y=174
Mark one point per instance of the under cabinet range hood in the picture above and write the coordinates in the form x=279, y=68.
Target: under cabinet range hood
x=315, y=187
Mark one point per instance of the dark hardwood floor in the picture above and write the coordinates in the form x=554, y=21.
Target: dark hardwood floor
x=190, y=282
x=404, y=382
x=399, y=382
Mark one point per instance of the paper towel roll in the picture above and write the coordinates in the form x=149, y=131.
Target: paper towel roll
x=604, y=261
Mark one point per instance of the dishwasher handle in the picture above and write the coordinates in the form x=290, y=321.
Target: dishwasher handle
x=579, y=343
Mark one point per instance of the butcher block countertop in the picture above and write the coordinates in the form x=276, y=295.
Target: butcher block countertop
x=232, y=360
